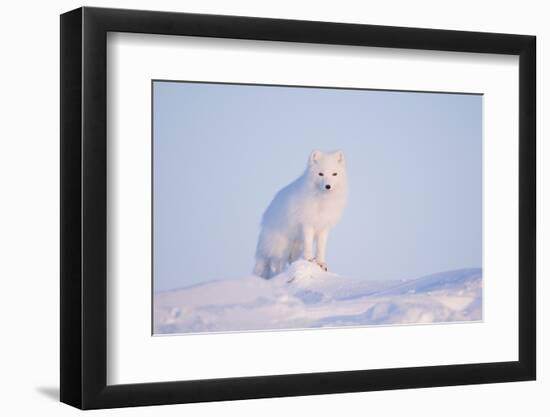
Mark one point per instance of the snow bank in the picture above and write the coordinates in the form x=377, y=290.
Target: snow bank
x=304, y=296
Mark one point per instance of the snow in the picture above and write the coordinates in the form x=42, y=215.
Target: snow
x=305, y=296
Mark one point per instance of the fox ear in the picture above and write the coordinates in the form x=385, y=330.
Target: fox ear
x=314, y=157
x=340, y=157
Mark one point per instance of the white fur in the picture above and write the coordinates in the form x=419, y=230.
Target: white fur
x=301, y=214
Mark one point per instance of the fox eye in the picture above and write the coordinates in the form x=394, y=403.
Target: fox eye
x=334, y=174
x=321, y=174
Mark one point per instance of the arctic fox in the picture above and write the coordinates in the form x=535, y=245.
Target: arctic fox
x=301, y=214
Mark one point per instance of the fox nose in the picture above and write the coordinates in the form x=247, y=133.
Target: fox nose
x=327, y=186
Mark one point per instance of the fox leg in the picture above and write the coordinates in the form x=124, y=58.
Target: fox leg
x=295, y=251
x=308, y=234
x=321, y=248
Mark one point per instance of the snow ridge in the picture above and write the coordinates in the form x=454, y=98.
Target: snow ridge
x=305, y=296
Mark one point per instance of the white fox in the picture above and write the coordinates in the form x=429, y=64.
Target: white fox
x=301, y=214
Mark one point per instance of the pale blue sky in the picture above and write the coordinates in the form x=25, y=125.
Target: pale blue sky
x=222, y=151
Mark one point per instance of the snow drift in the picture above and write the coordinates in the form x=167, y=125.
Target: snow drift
x=304, y=296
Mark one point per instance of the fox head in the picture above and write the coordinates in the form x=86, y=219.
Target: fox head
x=327, y=171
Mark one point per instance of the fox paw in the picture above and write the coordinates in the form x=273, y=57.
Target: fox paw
x=323, y=265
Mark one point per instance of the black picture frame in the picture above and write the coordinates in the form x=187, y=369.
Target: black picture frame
x=84, y=207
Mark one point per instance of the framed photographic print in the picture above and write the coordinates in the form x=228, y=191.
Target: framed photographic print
x=257, y=207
